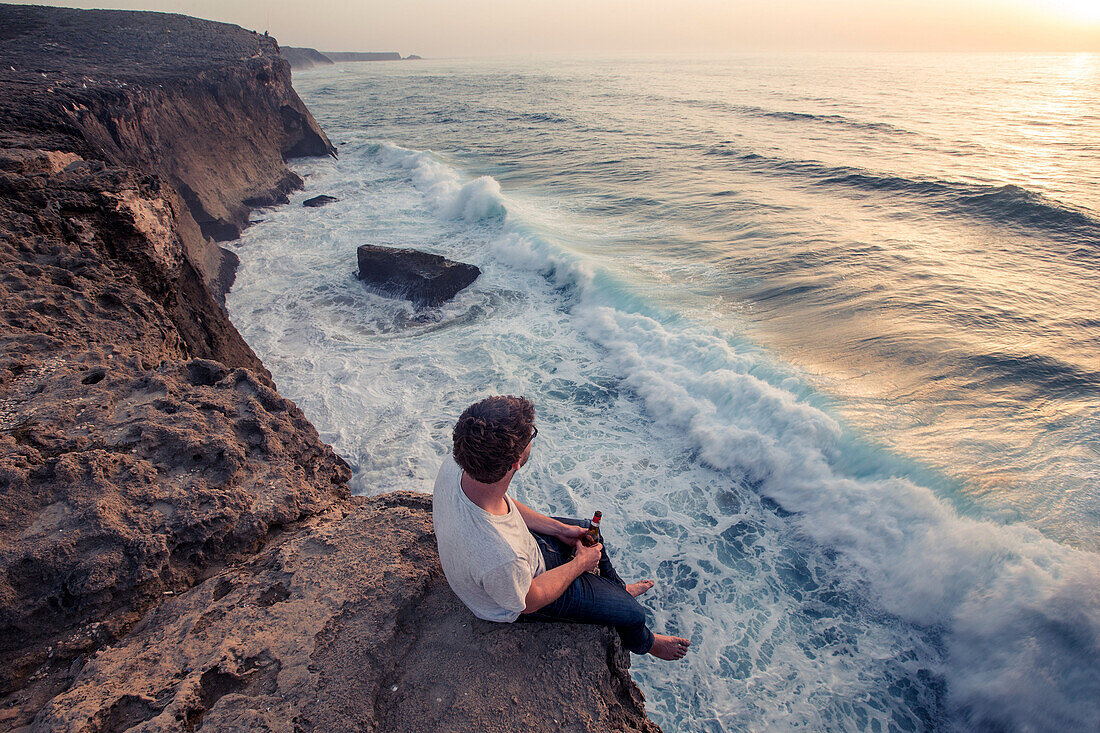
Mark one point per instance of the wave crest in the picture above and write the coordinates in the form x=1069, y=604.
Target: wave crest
x=451, y=197
x=1006, y=205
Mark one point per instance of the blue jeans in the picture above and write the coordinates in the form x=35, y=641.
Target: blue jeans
x=593, y=599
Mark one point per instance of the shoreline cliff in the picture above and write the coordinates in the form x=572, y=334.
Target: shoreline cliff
x=177, y=547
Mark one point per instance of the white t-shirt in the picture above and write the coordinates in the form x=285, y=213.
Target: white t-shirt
x=489, y=560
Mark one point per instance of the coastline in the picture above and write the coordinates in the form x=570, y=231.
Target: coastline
x=171, y=524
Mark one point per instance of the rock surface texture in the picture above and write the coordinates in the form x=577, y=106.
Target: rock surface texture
x=177, y=549
x=208, y=107
x=142, y=444
x=348, y=624
x=423, y=278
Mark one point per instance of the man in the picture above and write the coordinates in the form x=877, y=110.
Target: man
x=506, y=561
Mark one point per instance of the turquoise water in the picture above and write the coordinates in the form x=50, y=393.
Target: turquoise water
x=816, y=333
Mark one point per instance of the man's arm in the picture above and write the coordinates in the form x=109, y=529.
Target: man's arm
x=548, y=587
x=543, y=524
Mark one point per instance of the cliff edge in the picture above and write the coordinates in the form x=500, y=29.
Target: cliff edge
x=208, y=107
x=177, y=549
x=348, y=624
x=142, y=444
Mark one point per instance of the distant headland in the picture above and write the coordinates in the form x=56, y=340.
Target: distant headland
x=306, y=58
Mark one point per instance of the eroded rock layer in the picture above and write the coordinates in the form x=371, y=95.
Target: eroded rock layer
x=142, y=444
x=349, y=625
x=207, y=106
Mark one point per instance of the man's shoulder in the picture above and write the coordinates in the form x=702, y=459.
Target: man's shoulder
x=448, y=476
x=449, y=467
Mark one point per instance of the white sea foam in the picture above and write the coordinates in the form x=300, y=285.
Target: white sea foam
x=1020, y=613
x=694, y=427
x=452, y=198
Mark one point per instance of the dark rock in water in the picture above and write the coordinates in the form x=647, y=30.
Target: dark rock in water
x=423, y=278
x=319, y=201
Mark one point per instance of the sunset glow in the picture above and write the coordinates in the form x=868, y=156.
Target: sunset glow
x=503, y=27
x=1086, y=12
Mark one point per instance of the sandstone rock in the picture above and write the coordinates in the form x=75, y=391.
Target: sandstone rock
x=348, y=624
x=207, y=106
x=423, y=278
x=319, y=201
x=37, y=162
x=122, y=482
x=128, y=468
x=142, y=444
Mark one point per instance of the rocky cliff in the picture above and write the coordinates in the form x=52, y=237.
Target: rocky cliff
x=304, y=58
x=177, y=550
x=343, y=56
x=348, y=624
x=151, y=92
x=142, y=444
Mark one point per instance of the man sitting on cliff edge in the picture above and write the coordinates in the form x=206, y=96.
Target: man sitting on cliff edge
x=506, y=561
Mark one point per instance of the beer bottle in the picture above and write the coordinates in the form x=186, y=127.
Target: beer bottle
x=592, y=536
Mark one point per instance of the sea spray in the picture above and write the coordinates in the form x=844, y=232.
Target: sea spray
x=471, y=201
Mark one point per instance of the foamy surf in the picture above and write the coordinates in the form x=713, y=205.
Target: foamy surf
x=472, y=201
x=819, y=590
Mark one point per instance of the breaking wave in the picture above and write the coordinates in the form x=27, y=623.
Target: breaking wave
x=471, y=201
x=1017, y=614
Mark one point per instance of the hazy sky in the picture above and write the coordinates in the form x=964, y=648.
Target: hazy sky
x=497, y=27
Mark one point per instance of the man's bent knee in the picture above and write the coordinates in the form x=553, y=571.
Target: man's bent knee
x=631, y=614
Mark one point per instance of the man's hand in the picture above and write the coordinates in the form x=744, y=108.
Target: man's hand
x=588, y=557
x=547, y=587
x=570, y=533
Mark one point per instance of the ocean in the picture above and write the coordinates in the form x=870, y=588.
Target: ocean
x=817, y=333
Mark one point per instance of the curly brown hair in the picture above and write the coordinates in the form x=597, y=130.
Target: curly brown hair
x=491, y=435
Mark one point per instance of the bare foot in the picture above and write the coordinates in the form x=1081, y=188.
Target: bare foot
x=669, y=648
x=636, y=589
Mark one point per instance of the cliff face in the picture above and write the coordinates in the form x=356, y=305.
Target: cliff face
x=141, y=441
x=304, y=58
x=207, y=106
x=177, y=549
